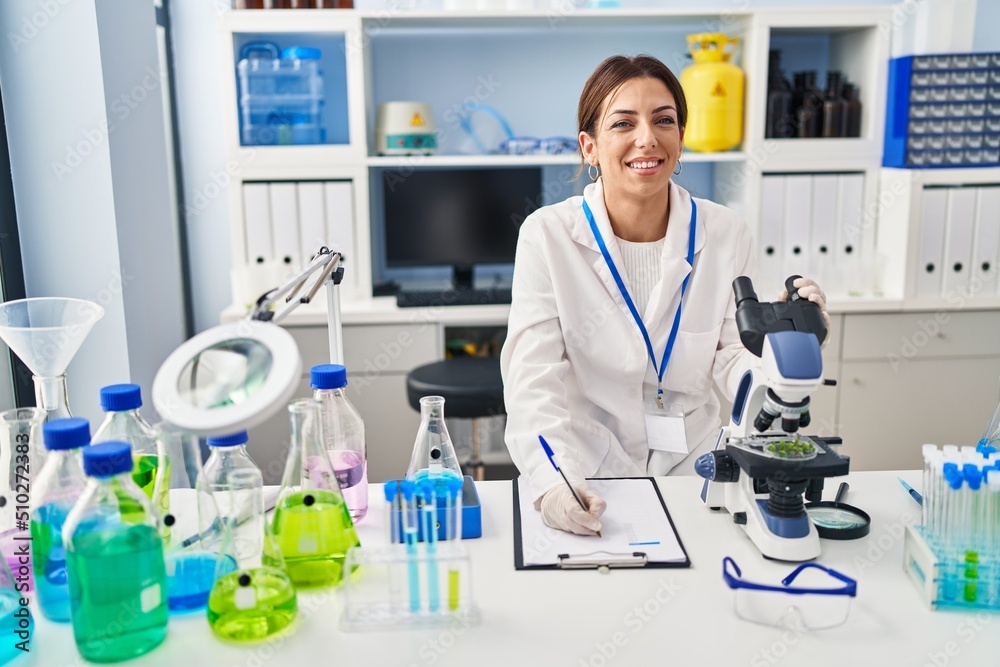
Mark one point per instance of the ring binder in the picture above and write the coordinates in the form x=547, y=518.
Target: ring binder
x=614, y=560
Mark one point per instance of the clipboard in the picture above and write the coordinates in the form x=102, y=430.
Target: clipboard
x=590, y=555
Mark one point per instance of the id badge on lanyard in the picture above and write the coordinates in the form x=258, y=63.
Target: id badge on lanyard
x=664, y=421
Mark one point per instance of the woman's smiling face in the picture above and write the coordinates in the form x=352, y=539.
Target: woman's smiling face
x=638, y=140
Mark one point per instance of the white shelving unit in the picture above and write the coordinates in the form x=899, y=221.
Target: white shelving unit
x=394, y=55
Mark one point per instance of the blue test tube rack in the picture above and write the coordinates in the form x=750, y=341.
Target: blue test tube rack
x=946, y=582
x=472, y=515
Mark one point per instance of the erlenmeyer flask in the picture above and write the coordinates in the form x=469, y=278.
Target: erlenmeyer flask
x=311, y=521
x=434, y=456
x=191, y=554
x=46, y=333
x=257, y=599
x=992, y=433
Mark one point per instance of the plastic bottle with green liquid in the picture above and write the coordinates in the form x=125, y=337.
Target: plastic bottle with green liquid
x=123, y=422
x=58, y=486
x=114, y=559
x=312, y=523
x=258, y=599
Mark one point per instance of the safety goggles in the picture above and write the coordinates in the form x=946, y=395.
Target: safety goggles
x=788, y=606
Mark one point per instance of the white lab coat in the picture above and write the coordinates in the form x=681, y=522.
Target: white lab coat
x=575, y=367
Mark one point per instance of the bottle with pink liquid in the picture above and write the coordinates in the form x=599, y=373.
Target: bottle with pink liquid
x=343, y=433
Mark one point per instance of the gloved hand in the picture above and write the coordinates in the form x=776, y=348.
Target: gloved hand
x=808, y=289
x=561, y=511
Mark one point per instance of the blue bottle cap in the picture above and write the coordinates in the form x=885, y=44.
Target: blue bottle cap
x=391, y=488
x=120, y=397
x=328, y=376
x=107, y=459
x=954, y=479
x=66, y=433
x=949, y=467
x=301, y=52
x=230, y=440
x=407, y=488
x=426, y=489
x=974, y=477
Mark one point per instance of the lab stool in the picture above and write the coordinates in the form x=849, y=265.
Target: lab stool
x=471, y=387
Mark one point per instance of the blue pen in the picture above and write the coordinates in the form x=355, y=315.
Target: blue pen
x=408, y=489
x=552, y=460
x=913, y=492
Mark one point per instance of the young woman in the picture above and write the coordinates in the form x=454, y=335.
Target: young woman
x=623, y=310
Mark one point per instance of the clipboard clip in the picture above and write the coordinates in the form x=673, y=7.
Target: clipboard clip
x=602, y=561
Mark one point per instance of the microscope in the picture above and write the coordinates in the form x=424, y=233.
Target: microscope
x=761, y=467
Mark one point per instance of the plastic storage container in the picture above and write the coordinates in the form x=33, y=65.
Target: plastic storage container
x=343, y=436
x=114, y=559
x=57, y=487
x=281, y=95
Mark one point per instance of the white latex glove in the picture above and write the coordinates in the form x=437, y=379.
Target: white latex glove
x=808, y=289
x=561, y=511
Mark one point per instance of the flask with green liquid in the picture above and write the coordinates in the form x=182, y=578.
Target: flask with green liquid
x=257, y=599
x=312, y=523
x=123, y=422
x=114, y=561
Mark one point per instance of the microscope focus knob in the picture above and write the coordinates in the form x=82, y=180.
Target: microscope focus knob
x=717, y=466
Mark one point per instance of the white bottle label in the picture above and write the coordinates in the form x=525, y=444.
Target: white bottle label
x=245, y=598
x=308, y=545
x=150, y=598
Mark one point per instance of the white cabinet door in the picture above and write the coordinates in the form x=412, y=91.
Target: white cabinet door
x=887, y=410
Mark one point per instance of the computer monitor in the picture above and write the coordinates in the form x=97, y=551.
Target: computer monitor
x=457, y=217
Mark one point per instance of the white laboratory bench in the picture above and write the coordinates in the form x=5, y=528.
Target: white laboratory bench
x=627, y=617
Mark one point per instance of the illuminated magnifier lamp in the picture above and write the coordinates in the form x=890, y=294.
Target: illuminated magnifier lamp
x=235, y=376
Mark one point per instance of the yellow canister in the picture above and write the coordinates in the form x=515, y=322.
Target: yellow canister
x=714, y=90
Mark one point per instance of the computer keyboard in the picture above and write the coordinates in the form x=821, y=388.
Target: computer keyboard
x=452, y=297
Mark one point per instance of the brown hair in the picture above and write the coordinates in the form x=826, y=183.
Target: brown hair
x=614, y=72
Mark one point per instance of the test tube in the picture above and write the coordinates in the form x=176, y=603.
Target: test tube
x=455, y=526
x=430, y=544
x=928, y=453
x=408, y=489
x=391, y=490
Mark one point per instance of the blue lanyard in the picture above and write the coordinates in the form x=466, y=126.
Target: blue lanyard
x=631, y=306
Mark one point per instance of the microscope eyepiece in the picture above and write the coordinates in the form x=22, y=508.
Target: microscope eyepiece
x=743, y=290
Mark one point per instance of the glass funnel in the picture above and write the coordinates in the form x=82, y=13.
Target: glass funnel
x=46, y=333
x=434, y=456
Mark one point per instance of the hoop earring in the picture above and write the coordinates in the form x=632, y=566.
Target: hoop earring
x=593, y=172
x=678, y=169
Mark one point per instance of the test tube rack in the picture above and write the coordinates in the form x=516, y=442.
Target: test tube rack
x=382, y=599
x=944, y=582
